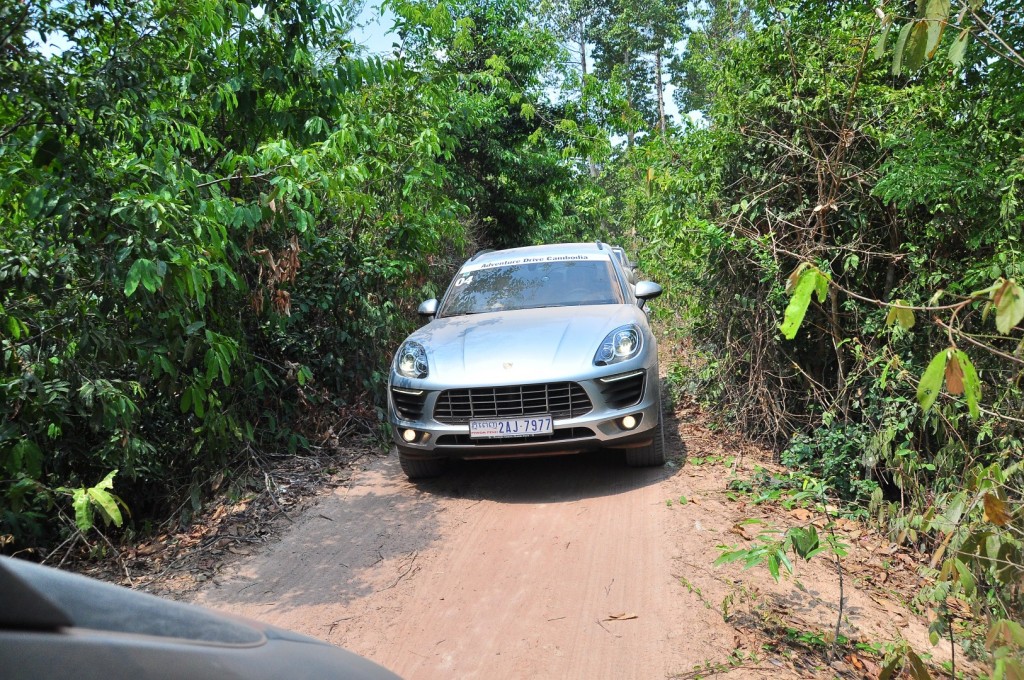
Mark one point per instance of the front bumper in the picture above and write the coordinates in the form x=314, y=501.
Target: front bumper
x=601, y=427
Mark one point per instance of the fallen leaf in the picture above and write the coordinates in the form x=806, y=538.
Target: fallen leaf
x=801, y=514
x=621, y=617
x=907, y=560
x=743, y=531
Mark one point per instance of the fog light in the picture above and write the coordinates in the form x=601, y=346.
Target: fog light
x=628, y=423
x=409, y=435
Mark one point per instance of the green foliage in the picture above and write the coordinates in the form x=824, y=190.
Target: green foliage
x=893, y=202
x=802, y=283
x=772, y=546
x=88, y=501
x=218, y=217
x=835, y=454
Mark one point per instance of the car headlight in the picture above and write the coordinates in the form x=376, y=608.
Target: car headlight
x=411, y=360
x=622, y=343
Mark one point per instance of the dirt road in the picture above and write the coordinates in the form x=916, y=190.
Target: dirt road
x=501, y=569
x=572, y=567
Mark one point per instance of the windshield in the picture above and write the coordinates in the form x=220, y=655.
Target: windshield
x=476, y=290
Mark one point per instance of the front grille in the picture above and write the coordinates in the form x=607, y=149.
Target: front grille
x=624, y=390
x=560, y=400
x=565, y=434
x=408, y=403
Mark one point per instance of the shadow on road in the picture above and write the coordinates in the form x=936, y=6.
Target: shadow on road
x=556, y=479
x=365, y=538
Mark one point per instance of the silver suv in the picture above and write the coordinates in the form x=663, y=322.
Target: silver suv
x=532, y=351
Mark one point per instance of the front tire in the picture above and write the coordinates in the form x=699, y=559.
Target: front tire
x=651, y=455
x=422, y=468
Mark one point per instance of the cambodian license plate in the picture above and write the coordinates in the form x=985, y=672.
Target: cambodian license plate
x=510, y=427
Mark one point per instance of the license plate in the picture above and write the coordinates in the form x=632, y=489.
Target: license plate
x=510, y=427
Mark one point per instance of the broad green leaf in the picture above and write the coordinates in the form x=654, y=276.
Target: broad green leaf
x=900, y=315
x=965, y=577
x=107, y=505
x=958, y=49
x=917, y=46
x=83, y=509
x=935, y=31
x=971, y=384
x=773, y=565
x=199, y=401
x=1009, y=302
x=798, y=303
x=150, y=278
x=35, y=202
x=821, y=286
x=26, y=458
x=883, y=37
x=107, y=482
x=135, y=274
x=901, y=48
x=225, y=368
x=937, y=10
x=13, y=327
x=805, y=541
x=785, y=562
x=730, y=556
x=931, y=382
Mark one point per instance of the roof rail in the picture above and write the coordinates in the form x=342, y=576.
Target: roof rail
x=481, y=252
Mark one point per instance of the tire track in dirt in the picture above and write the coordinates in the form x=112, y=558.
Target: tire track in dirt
x=500, y=569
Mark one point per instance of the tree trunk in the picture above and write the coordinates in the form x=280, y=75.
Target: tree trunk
x=661, y=91
x=583, y=51
x=629, y=100
x=591, y=166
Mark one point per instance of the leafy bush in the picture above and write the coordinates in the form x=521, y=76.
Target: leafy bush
x=835, y=455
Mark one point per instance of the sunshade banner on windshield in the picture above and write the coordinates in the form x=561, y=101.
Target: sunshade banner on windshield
x=513, y=261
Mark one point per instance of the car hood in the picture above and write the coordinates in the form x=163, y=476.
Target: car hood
x=522, y=346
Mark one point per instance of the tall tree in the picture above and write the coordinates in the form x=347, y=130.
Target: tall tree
x=501, y=59
x=713, y=28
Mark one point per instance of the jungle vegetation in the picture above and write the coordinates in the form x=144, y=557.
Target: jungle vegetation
x=216, y=217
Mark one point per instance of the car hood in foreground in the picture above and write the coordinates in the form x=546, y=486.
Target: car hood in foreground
x=522, y=346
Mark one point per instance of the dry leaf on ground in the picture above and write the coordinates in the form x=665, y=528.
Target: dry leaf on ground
x=621, y=617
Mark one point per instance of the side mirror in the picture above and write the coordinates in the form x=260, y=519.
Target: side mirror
x=429, y=307
x=647, y=290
